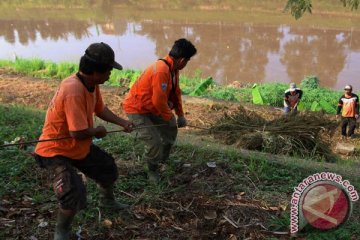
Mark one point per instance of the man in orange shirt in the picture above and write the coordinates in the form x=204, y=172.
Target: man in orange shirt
x=151, y=100
x=349, y=107
x=70, y=114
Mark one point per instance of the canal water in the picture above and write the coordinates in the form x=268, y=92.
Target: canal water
x=240, y=43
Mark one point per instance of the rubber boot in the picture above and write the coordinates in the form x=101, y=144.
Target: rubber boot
x=63, y=224
x=166, y=153
x=153, y=173
x=107, y=199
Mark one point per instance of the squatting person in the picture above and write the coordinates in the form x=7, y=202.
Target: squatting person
x=292, y=98
x=151, y=100
x=70, y=114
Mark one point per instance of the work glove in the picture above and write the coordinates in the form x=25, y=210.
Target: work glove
x=181, y=122
x=172, y=122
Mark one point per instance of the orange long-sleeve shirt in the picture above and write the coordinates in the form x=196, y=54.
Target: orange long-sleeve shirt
x=154, y=89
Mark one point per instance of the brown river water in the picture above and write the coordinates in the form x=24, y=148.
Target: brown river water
x=238, y=44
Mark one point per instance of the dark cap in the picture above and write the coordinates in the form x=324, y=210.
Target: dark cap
x=103, y=54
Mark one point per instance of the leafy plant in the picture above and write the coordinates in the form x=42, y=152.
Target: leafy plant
x=310, y=82
x=202, y=87
x=256, y=96
x=299, y=7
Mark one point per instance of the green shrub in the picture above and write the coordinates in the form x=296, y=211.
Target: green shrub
x=310, y=82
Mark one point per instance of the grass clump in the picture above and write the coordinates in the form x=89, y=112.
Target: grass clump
x=300, y=135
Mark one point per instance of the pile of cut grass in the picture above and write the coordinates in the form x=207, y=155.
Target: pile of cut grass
x=306, y=135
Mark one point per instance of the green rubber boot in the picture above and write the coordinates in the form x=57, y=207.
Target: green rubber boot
x=63, y=224
x=107, y=199
x=153, y=173
x=153, y=177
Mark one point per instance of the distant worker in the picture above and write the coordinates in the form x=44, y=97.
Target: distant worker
x=151, y=100
x=70, y=114
x=349, y=108
x=292, y=98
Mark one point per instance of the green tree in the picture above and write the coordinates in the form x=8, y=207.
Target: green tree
x=299, y=7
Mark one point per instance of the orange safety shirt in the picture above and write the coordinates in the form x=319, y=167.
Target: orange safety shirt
x=154, y=89
x=71, y=109
x=349, y=104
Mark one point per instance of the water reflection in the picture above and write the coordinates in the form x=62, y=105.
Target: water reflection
x=28, y=30
x=318, y=52
x=242, y=52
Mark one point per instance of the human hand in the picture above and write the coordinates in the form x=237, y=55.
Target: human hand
x=172, y=122
x=181, y=122
x=356, y=116
x=171, y=105
x=128, y=126
x=100, y=132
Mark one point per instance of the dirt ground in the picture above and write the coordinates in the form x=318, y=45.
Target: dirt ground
x=37, y=93
x=174, y=216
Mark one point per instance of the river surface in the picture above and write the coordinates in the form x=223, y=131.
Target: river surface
x=233, y=45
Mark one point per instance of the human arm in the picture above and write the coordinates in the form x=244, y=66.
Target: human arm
x=300, y=92
x=177, y=100
x=109, y=116
x=77, y=121
x=181, y=120
x=286, y=100
x=160, y=85
x=98, y=132
x=339, y=107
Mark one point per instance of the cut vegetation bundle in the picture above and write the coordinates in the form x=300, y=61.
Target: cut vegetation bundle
x=307, y=134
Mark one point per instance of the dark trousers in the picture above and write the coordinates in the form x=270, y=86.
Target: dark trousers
x=68, y=185
x=351, y=121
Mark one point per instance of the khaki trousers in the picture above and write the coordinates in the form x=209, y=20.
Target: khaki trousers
x=158, y=140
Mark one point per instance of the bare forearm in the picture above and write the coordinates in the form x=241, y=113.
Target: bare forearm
x=109, y=116
x=83, y=134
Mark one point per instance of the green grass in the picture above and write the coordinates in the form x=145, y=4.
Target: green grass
x=47, y=69
x=272, y=93
x=20, y=122
x=260, y=178
x=14, y=163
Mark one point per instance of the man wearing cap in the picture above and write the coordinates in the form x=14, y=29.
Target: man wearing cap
x=349, y=107
x=151, y=100
x=292, y=98
x=70, y=114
